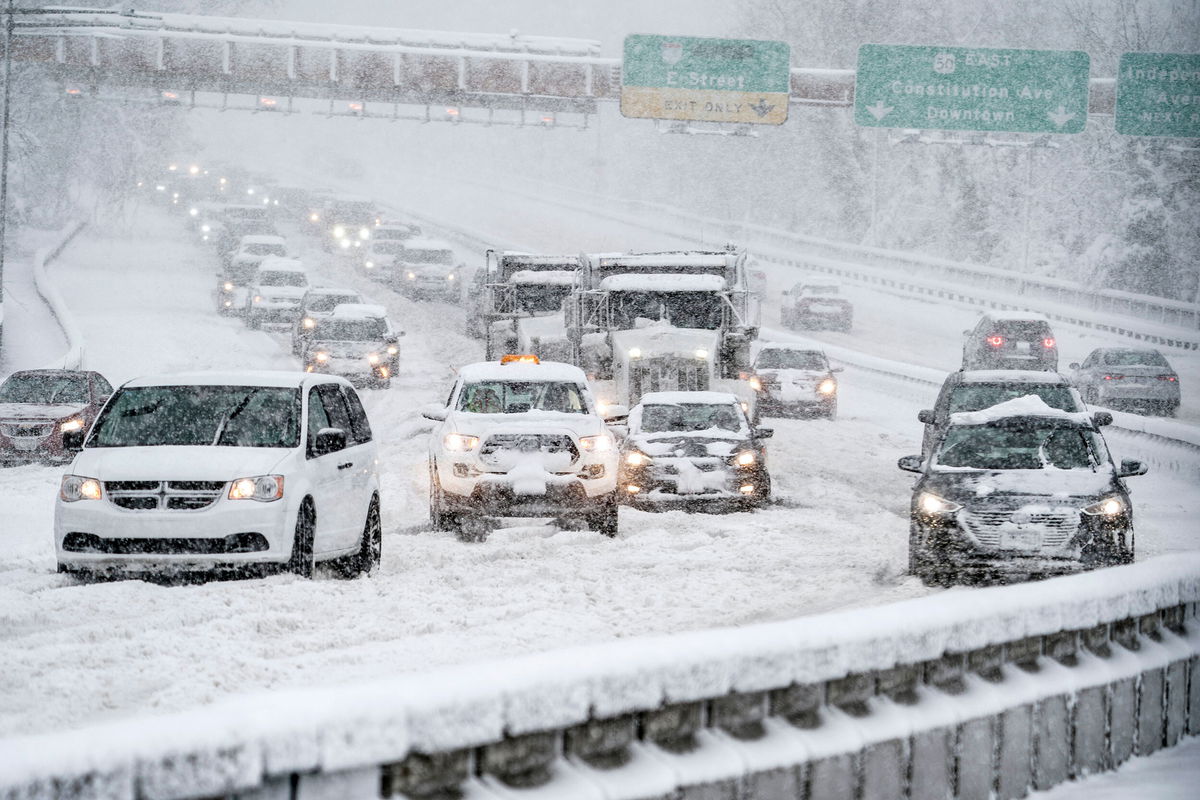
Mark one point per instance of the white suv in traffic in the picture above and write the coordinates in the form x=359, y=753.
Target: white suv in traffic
x=201, y=472
x=521, y=438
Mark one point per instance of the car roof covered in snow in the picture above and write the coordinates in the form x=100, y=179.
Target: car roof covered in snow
x=1013, y=376
x=262, y=238
x=669, y=259
x=1029, y=406
x=1016, y=316
x=267, y=378
x=281, y=264
x=360, y=310
x=684, y=398
x=516, y=371
x=332, y=290
x=663, y=283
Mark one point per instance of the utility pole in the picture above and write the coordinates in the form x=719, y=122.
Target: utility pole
x=8, y=34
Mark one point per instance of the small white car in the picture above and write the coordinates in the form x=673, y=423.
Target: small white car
x=521, y=438
x=252, y=249
x=279, y=286
x=222, y=471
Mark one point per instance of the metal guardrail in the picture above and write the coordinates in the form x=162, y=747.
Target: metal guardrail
x=993, y=693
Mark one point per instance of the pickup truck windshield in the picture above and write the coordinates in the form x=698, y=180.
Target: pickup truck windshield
x=221, y=416
x=516, y=397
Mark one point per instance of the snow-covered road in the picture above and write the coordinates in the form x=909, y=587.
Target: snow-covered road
x=72, y=654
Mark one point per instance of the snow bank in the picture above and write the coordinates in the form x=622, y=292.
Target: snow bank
x=73, y=358
x=227, y=745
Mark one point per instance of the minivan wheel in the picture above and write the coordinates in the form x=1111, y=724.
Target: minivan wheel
x=370, y=550
x=301, y=562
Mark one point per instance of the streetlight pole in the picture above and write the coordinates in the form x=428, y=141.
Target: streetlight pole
x=8, y=34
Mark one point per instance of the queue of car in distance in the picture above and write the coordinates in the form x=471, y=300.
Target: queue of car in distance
x=245, y=472
x=1129, y=379
x=816, y=304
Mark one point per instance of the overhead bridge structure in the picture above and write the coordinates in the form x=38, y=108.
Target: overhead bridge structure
x=180, y=53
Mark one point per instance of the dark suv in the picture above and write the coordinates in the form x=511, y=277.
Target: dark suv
x=1010, y=340
x=974, y=390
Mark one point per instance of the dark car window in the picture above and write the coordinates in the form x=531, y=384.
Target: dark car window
x=680, y=417
x=426, y=256
x=327, y=302
x=978, y=396
x=335, y=408
x=999, y=448
x=1022, y=329
x=222, y=416
x=47, y=388
x=1135, y=358
x=791, y=359
x=360, y=427
x=350, y=329
x=515, y=397
x=102, y=386
x=261, y=249
x=318, y=419
x=280, y=278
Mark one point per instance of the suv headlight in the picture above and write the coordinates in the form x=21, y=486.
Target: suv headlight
x=1108, y=507
x=460, y=443
x=373, y=358
x=392, y=350
x=77, y=487
x=827, y=386
x=339, y=231
x=756, y=383
x=69, y=425
x=932, y=504
x=596, y=444
x=263, y=488
x=745, y=458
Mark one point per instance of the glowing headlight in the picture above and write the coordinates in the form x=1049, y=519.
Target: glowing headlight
x=339, y=231
x=77, y=487
x=160, y=188
x=193, y=211
x=263, y=488
x=314, y=217
x=345, y=243
x=392, y=350
x=636, y=458
x=745, y=458
x=596, y=444
x=309, y=323
x=250, y=191
x=932, y=504
x=828, y=386
x=373, y=359
x=368, y=264
x=228, y=286
x=412, y=276
x=459, y=443
x=1108, y=507
x=70, y=425
x=193, y=170
x=322, y=356
x=756, y=383
x=258, y=298
x=364, y=233
x=635, y=352
x=701, y=353
x=450, y=277
x=206, y=227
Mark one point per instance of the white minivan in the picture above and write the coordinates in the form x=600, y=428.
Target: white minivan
x=220, y=471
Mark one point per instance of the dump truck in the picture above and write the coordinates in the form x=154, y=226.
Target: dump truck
x=517, y=303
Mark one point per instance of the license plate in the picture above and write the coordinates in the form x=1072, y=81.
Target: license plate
x=1022, y=347
x=1018, y=539
x=26, y=444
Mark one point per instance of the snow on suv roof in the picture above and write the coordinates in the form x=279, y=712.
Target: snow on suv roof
x=271, y=378
x=1029, y=405
x=516, y=371
x=359, y=310
x=281, y=264
x=663, y=283
x=681, y=398
x=1013, y=376
x=1016, y=316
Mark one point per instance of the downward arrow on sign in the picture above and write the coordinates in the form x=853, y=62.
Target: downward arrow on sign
x=879, y=110
x=1061, y=116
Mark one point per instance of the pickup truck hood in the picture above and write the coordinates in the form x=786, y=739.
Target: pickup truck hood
x=177, y=463
x=664, y=340
x=483, y=425
x=38, y=410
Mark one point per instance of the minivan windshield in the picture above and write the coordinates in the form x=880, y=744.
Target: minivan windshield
x=221, y=416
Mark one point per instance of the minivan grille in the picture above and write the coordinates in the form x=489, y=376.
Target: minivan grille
x=163, y=495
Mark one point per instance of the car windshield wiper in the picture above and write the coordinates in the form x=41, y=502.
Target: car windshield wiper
x=228, y=419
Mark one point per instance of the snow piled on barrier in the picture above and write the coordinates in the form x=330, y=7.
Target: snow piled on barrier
x=231, y=744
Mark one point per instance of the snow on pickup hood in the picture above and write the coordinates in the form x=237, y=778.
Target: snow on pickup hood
x=483, y=425
x=38, y=411
x=177, y=463
x=664, y=340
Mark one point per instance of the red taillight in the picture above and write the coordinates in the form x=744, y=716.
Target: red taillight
x=1048, y=342
x=995, y=341
x=1113, y=377
x=1170, y=378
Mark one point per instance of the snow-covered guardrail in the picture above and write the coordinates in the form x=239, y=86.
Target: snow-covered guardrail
x=73, y=358
x=984, y=693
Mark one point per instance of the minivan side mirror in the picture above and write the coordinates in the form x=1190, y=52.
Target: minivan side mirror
x=72, y=441
x=1130, y=468
x=329, y=440
x=1101, y=418
x=925, y=415
x=435, y=412
x=910, y=463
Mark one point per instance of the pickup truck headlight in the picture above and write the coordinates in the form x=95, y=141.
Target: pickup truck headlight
x=745, y=458
x=373, y=358
x=77, y=487
x=636, y=458
x=596, y=444
x=1108, y=507
x=392, y=350
x=460, y=443
x=263, y=488
x=932, y=504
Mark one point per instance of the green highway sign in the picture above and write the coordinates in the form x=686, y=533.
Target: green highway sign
x=709, y=80
x=971, y=89
x=1158, y=94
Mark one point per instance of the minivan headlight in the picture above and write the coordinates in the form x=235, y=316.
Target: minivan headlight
x=263, y=488
x=1108, y=507
x=932, y=504
x=77, y=487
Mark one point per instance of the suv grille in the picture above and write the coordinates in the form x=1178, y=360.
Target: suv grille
x=39, y=429
x=163, y=495
x=1056, y=527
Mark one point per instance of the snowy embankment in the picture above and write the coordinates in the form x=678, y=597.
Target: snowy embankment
x=242, y=742
x=35, y=334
